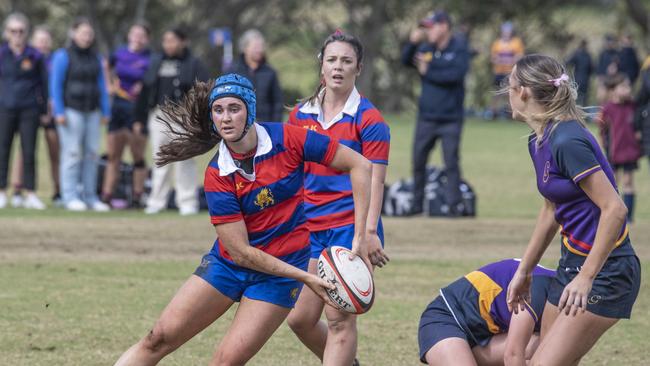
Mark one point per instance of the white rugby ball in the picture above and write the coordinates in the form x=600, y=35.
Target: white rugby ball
x=355, y=290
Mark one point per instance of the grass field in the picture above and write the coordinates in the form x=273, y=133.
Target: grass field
x=78, y=289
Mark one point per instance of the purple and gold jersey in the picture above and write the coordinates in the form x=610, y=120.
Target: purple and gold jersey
x=567, y=154
x=478, y=300
x=129, y=67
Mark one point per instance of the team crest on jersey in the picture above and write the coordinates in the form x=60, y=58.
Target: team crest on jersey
x=312, y=127
x=547, y=168
x=294, y=293
x=264, y=198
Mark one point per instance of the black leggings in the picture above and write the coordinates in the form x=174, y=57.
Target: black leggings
x=26, y=122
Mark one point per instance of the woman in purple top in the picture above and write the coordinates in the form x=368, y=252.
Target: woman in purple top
x=127, y=68
x=598, y=276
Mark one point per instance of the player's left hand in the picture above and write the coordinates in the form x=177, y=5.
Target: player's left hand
x=360, y=248
x=376, y=253
x=575, y=295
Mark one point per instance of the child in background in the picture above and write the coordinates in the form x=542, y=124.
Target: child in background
x=618, y=137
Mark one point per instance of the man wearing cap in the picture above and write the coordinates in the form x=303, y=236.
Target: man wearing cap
x=442, y=61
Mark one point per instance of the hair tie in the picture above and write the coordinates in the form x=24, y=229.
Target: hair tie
x=557, y=82
x=338, y=32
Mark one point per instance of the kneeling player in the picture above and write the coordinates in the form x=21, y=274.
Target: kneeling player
x=469, y=323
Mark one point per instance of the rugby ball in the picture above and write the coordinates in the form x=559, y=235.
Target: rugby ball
x=355, y=290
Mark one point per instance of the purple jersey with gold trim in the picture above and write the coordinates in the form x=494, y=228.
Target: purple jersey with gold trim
x=478, y=300
x=567, y=154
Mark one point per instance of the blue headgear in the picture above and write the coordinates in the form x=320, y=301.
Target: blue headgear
x=237, y=86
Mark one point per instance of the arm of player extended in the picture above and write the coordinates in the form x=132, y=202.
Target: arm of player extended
x=612, y=218
x=545, y=229
x=520, y=332
x=360, y=168
x=234, y=237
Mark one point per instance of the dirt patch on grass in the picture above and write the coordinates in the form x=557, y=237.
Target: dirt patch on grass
x=172, y=237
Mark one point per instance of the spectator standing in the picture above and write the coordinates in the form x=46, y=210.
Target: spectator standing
x=128, y=65
x=504, y=53
x=442, y=62
x=618, y=136
x=629, y=61
x=23, y=90
x=583, y=67
x=608, y=64
x=169, y=77
x=252, y=64
x=81, y=103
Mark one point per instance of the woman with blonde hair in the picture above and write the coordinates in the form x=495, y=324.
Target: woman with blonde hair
x=598, y=276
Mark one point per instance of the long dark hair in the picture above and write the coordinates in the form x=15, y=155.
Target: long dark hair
x=189, y=126
x=337, y=36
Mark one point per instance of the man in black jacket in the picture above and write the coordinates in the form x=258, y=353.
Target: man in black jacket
x=252, y=65
x=442, y=62
x=583, y=67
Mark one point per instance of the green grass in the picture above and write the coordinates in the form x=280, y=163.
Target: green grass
x=85, y=313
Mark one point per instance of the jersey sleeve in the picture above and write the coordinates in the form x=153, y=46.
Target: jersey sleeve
x=312, y=145
x=223, y=204
x=575, y=157
x=375, y=137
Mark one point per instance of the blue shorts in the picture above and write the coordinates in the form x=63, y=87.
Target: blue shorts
x=614, y=289
x=235, y=281
x=341, y=236
x=436, y=324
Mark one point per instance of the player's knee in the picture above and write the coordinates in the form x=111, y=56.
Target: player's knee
x=345, y=324
x=157, y=342
x=140, y=164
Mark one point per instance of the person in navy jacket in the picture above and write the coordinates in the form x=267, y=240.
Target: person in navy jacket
x=442, y=61
x=23, y=102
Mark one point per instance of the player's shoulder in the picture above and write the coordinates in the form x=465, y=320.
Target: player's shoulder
x=567, y=132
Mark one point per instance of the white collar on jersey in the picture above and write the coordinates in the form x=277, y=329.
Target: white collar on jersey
x=350, y=108
x=227, y=164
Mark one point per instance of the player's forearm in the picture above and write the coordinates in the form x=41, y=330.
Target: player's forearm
x=376, y=197
x=255, y=259
x=361, y=178
x=610, y=223
x=544, y=232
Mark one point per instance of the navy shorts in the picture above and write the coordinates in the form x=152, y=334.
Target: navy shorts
x=234, y=281
x=614, y=289
x=627, y=167
x=123, y=116
x=436, y=324
x=341, y=236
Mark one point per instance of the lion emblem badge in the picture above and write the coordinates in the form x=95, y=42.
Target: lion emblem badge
x=264, y=199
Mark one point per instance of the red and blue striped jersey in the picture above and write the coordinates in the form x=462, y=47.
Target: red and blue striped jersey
x=328, y=192
x=271, y=201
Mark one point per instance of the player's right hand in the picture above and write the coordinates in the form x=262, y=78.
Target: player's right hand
x=60, y=120
x=320, y=287
x=518, y=294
